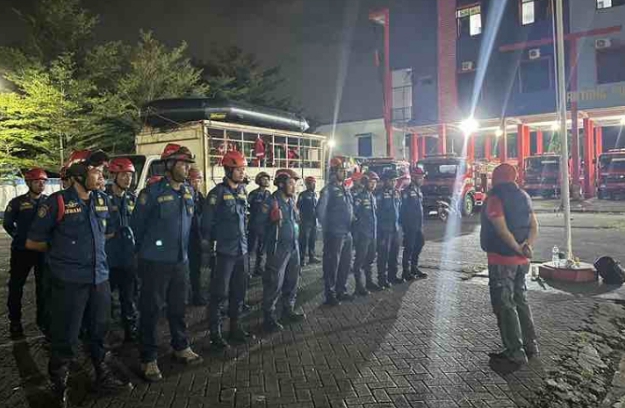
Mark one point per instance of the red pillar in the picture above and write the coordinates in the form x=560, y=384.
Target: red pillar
x=422, y=148
x=598, y=141
x=575, y=162
x=471, y=148
x=487, y=148
x=414, y=148
x=539, y=142
x=522, y=140
x=589, y=156
x=442, y=139
x=503, y=147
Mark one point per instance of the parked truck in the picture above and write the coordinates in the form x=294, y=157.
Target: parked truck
x=542, y=175
x=611, y=175
x=269, y=139
x=450, y=178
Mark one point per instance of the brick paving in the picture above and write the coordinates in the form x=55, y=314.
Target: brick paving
x=422, y=344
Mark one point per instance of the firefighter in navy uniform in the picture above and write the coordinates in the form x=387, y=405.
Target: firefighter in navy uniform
x=306, y=204
x=365, y=230
x=162, y=224
x=18, y=218
x=388, y=202
x=283, y=258
x=224, y=221
x=335, y=212
x=120, y=248
x=196, y=178
x=256, y=227
x=412, y=225
x=73, y=225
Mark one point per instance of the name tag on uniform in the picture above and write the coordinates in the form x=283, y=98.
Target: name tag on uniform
x=188, y=196
x=413, y=194
x=26, y=206
x=72, y=208
x=228, y=197
x=163, y=199
x=365, y=201
x=101, y=208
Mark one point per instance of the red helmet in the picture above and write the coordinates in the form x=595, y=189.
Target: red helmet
x=416, y=171
x=260, y=176
x=80, y=160
x=283, y=175
x=120, y=165
x=371, y=175
x=174, y=151
x=337, y=162
x=234, y=159
x=36, y=173
x=195, y=174
x=310, y=179
x=357, y=175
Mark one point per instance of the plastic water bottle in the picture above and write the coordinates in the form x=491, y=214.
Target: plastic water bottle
x=555, y=256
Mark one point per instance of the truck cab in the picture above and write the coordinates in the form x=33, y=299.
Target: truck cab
x=611, y=174
x=542, y=175
x=449, y=177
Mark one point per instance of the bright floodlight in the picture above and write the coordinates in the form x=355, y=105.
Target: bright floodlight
x=623, y=121
x=555, y=126
x=499, y=132
x=331, y=143
x=469, y=126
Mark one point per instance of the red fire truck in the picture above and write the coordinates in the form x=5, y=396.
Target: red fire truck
x=542, y=175
x=449, y=177
x=611, y=174
x=382, y=164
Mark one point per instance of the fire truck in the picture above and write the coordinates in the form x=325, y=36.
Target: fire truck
x=542, y=175
x=269, y=140
x=450, y=178
x=611, y=175
x=383, y=164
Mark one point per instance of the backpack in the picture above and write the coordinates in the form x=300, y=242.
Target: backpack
x=610, y=271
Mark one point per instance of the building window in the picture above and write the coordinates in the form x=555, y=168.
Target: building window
x=527, y=12
x=469, y=21
x=365, y=147
x=535, y=75
x=604, y=4
x=610, y=63
x=402, y=95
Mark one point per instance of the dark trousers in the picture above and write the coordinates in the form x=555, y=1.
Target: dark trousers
x=363, y=261
x=124, y=280
x=280, y=280
x=307, y=239
x=256, y=245
x=195, y=270
x=337, y=255
x=388, y=252
x=228, y=282
x=162, y=284
x=22, y=261
x=413, y=244
x=69, y=302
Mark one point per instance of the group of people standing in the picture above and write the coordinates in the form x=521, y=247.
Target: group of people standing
x=88, y=240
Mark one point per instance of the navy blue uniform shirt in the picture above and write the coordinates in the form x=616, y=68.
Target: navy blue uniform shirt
x=285, y=233
x=18, y=217
x=161, y=222
x=120, y=248
x=335, y=209
x=388, y=202
x=412, y=208
x=256, y=199
x=306, y=204
x=366, y=219
x=223, y=219
x=77, y=241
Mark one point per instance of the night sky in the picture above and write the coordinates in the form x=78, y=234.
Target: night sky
x=305, y=37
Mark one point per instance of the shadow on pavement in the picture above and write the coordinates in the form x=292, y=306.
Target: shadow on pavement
x=588, y=289
x=33, y=381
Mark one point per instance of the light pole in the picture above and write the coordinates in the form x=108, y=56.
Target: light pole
x=564, y=168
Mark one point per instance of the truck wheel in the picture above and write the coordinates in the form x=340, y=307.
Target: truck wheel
x=467, y=205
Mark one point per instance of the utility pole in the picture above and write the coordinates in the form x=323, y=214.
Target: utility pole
x=564, y=168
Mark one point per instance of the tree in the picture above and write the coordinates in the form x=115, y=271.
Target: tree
x=234, y=74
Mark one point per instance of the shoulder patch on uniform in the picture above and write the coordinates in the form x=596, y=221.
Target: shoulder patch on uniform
x=143, y=198
x=43, y=211
x=212, y=200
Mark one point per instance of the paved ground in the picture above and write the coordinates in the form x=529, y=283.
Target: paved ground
x=423, y=344
x=593, y=205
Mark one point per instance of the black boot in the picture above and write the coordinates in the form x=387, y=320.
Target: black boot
x=313, y=260
x=16, y=330
x=292, y=315
x=418, y=274
x=361, y=291
x=217, y=340
x=271, y=325
x=58, y=387
x=131, y=334
x=107, y=381
x=372, y=286
x=237, y=334
x=407, y=276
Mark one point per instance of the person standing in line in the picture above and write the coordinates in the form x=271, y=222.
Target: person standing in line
x=18, y=217
x=162, y=225
x=388, y=203
x=412, y=225
x=283, y=264
x=509, y=229
x=256, y=199
x=365, y=229
x=335, y=212
x=72, y=226
x=224, y=221
x=196, y=179
x=306, y=204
